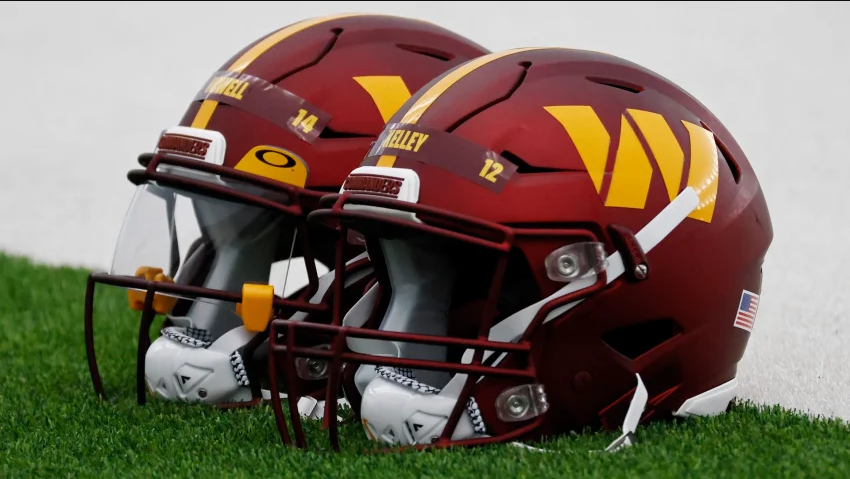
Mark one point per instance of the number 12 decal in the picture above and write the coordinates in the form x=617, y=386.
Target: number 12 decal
x=490, y=174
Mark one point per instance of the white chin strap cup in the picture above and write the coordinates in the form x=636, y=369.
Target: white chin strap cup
x=181, y=368
x=409, y=413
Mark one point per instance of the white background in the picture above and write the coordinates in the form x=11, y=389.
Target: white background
x=86, y=87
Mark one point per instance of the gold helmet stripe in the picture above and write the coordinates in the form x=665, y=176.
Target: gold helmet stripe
x=415, y=112
x=205, y=112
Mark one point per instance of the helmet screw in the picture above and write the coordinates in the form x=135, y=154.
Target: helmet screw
x=517, y=405
x=202, y=393
x=641, y=271
x=312, y=369
x=582, y=381
x=317, y=368
x=567, y=265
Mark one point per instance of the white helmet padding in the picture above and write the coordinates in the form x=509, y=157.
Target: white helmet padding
x=246, y=241
x=422, y=281
x=406, y=406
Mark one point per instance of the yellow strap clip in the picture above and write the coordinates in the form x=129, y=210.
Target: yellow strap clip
x=161, y=304
x=256, y=308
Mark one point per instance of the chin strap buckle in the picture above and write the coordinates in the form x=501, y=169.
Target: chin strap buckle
x=634, y=257
x=636, y=408
x=257, y=306
x=162, y=304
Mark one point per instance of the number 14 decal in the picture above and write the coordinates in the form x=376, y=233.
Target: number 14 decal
x=491, y=170
x=306, y=124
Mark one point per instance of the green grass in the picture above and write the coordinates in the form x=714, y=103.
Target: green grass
x=52, y=425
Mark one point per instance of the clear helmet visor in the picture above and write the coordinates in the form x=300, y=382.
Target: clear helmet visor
x=199, y=240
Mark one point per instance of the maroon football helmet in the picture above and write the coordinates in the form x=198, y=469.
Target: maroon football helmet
x=562, y=239
x=224, y=198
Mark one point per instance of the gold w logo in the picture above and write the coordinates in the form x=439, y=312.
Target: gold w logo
x=632, y=174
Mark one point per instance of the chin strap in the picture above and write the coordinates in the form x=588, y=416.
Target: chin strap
x=636, y=408
x=239, y=369
x=627, y=439
x=179, y=335
x=406, y=380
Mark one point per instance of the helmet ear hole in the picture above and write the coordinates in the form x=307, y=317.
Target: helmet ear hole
x=635, y=340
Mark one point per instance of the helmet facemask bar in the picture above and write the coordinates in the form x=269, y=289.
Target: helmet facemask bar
x=491, y=236
x=283, y=199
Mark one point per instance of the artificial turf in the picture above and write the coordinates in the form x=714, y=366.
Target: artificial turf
x=52, y=424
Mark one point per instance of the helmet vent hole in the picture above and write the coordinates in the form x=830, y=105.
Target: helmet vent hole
x=636, y=340
x=508, y=94
x=730, y=161
x=329, y=134
x=427, y=51
x=523, y=168
x=724, y=152
x=615, y=83
x=328, y=47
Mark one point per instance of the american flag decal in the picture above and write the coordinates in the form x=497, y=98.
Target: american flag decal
x=747, y=308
